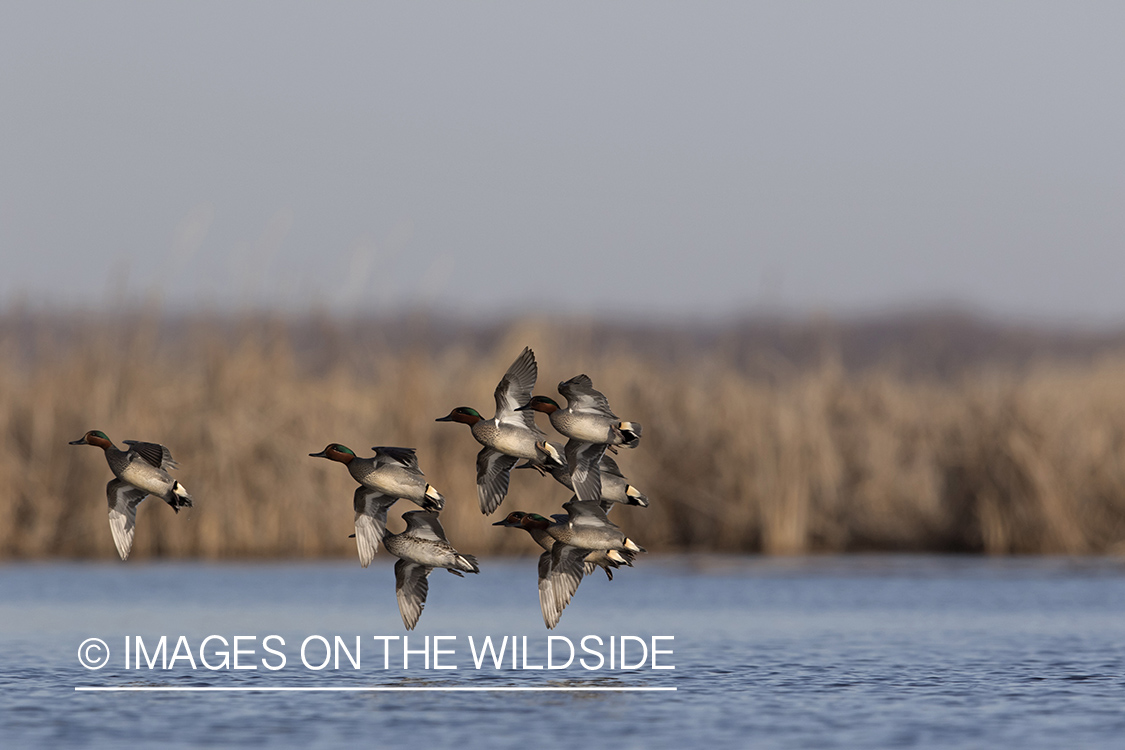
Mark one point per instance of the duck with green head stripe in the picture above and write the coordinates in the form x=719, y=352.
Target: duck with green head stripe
x=587, y=416
x=391, y=474
x=509, y=436
x=559, y=580
x=140, y=470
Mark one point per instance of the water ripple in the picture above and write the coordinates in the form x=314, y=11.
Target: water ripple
x=826, y=652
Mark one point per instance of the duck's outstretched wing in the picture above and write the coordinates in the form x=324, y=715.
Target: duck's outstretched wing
x=404, y=457
x=154, y=453
x=411, y=587
x=123, y=501
x=370, y=521
x=560, y=572
x=551, y=612
x=608, y=466
x=424, y=524
x=583, y=460
x=515, y=390
x=581, y=395
x=494, y=471
x=585, y=513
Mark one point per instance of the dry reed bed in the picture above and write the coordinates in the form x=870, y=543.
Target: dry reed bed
x=816, y=460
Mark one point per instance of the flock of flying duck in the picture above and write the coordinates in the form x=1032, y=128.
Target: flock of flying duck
x=574, y=544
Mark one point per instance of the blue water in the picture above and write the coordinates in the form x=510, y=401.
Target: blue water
x=860, y=652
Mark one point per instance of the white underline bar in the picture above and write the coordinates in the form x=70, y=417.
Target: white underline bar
x=379, y=689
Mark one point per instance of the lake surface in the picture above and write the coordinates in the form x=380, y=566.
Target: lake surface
x=856, y=652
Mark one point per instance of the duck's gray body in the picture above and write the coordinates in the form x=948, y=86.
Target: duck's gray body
x=586, y=526
x=433, y=553
x=593, y=559
x=420, y=549
x=588, y=418
x=589, y=428
x=514, y=440
x=394, y=472
x=145, y=466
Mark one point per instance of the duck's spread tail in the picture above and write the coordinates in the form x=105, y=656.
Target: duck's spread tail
x=617, y=557
x=630, y=433
x=620, y=558
x=635, y=496
x=467, y=563
x=179, y=497
x=549, y=455
x=434, y=499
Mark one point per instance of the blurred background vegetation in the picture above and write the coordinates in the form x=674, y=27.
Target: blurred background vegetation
x=925, y=432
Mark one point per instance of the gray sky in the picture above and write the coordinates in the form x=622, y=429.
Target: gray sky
x=650, y=158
